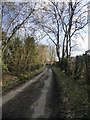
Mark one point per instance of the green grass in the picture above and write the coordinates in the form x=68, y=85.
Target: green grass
x=74, y=95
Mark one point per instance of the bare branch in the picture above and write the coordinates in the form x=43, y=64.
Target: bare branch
x=50, y=37
x=77, y=29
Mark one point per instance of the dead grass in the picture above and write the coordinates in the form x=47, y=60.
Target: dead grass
x=9, y=81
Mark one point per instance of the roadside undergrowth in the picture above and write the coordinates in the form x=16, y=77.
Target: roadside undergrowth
x=11, y=81
x=73, y=96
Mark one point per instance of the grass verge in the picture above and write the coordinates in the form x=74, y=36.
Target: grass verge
x=9, y=82
x=73, y=96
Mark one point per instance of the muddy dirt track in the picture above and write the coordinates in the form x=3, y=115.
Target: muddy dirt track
x=36, y=100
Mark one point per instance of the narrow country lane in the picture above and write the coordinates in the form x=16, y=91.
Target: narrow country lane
x=36, y=100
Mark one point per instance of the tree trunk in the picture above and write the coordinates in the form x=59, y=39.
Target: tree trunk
x=67, y=47
x=63, y=49
x=58, y=52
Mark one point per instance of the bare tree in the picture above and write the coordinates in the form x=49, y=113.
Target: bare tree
x=73, y=18
x=14, y=16
x=62, y=22
x=48, y=20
